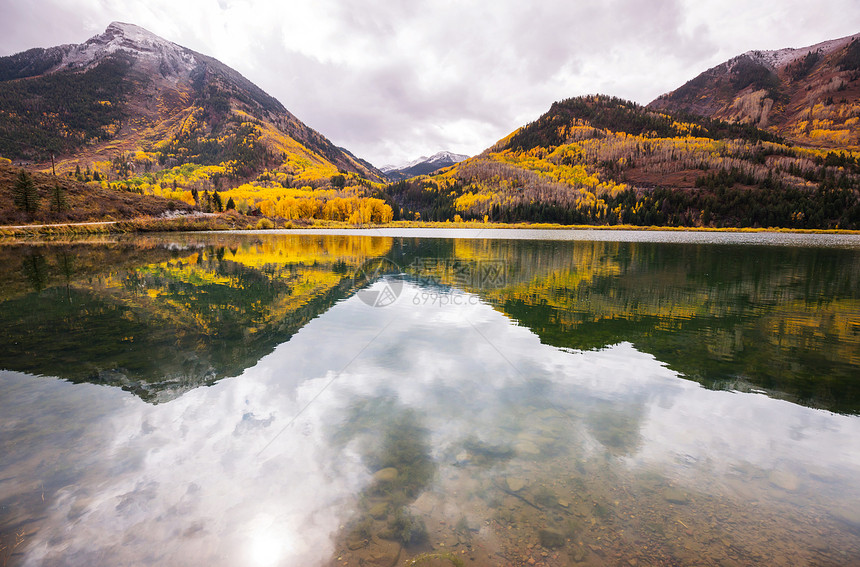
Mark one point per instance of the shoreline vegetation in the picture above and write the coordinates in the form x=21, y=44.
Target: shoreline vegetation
x=237, y=222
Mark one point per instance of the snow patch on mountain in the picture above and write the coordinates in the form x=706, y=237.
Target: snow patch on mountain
x=170, y=58
x=422, y=166
x=781, y=58
x=442, y=158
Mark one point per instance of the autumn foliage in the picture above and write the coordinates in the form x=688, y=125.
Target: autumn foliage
x=601, y=160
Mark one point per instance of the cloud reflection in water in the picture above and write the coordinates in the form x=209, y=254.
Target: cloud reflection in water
x=199, y=480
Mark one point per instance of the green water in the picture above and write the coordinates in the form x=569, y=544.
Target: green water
x=442, y=398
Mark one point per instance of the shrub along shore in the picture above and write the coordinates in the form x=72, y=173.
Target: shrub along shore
x=235, y=221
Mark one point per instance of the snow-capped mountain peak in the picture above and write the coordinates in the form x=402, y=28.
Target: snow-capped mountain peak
x=443, y=158
x=423, y=165
x=781, y=58
x=135, y=34
x=414, y=162
x=170, y=58
x=446, y=157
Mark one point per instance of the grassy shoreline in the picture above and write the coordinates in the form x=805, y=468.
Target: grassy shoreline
x=241, y=222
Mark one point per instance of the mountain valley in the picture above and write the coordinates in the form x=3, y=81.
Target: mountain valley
x=767, y=139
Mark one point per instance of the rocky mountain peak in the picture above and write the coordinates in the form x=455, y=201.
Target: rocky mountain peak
x=169, y=58
x=127, y=87
x=423, y=165
x=808, y=95
x=132, y=33
x=779, y=59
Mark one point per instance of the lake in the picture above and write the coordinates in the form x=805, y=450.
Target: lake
x=431, y=397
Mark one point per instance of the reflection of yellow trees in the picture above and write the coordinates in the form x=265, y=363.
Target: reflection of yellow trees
x=305, y=266
x=798, y=326
x=538, y=274
x=598, y=258
x=303, y=287
x=276, y=250
x=571, y=285
x=196, y=290
x=547, y=279
x=592, y=283
x=475, y=249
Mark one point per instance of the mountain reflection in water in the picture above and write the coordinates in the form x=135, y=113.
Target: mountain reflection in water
x=556, y=409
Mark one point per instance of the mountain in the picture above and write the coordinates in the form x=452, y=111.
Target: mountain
x=764, y=140
x=127, y=102
x=422, y=166
x=605, y=161
x=807, y=95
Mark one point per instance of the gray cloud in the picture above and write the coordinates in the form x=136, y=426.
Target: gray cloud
x=393, y=80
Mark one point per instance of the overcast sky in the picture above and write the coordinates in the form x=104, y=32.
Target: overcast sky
x=393, y=80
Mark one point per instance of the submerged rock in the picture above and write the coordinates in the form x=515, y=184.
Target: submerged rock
x=378, y=510
x=848, y=516
x=526, y=447
x=578, y=554
x=477, y=450
x=784, y=480
x=515, y=484
x=551, y=538
x=462, y=458
x=385, y=475
x=676, y=496
x=382, y=553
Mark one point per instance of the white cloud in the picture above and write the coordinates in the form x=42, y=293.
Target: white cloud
x=392, y=80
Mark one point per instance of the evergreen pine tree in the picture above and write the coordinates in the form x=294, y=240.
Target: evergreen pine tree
x=231, y=205
x=25, y=194
x=58, y=199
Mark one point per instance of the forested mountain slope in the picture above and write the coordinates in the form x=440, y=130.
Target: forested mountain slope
x=808, y=95
x=603, y=160
x=130, y=111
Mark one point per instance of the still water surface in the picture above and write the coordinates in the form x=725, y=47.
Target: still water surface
x=422, y=398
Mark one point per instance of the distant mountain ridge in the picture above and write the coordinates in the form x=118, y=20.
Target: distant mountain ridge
x=807, y=95
x=422, y=166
